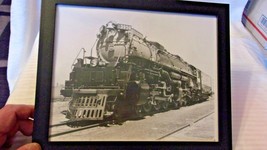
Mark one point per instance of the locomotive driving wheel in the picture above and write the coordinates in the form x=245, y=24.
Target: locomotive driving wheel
x=177, y=103
x=138, y=111
x=147, y=107
x=157, y=106
x=165, y=105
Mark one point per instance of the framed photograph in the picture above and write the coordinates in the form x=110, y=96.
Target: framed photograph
x=135, y=74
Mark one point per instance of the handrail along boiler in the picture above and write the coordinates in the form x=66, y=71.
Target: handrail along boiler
x=131, y=74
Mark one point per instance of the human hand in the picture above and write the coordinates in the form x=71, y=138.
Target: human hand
x=30, y=146
x=14, y=118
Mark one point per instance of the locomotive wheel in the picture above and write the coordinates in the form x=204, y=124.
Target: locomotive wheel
x=184, y=102
x=176, y=104
x=138, y=111
x=116, y=115
x=157, y=106
x=165, y=105
x=147, y=107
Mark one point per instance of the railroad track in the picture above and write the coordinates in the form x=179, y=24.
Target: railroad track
x=186, y=126
x=75, y=130
x=111, y=121
x=91, y=125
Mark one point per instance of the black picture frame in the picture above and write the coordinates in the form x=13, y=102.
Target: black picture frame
x=46, y=60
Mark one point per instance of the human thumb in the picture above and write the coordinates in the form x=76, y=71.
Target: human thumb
x=30, y=146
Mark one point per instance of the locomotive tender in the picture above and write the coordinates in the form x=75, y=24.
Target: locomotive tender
x=131, y=74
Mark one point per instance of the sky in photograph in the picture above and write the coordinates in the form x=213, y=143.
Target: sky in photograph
x=192, y=37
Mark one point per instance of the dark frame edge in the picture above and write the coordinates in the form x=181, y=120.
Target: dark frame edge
x=225, y=114
x=45, y=74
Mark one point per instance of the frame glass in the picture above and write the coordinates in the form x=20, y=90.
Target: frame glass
x=114, y=73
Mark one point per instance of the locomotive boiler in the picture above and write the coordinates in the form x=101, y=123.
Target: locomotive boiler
x=131, y=75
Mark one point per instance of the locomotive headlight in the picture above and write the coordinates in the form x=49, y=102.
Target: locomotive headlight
x=94, y=62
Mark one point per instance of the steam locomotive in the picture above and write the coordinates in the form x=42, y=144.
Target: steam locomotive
x=131, y=75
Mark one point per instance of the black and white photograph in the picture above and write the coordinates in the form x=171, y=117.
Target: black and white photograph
x=134, y=75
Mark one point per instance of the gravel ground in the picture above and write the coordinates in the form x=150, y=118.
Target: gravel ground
x=200, y=131
x=150, y=128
